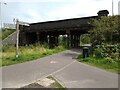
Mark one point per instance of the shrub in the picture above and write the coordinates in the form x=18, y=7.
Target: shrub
x=104, y=50
x=99, y=52
x=109, y=60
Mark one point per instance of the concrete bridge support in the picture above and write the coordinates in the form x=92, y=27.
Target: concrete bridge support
x=53, y=41
x=42, y=37
x=73, y=40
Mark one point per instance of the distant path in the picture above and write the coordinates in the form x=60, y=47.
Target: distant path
x=64, y=67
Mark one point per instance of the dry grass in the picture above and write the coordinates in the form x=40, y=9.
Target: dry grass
x=26, y=53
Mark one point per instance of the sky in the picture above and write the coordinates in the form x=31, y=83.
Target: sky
x=33, y=11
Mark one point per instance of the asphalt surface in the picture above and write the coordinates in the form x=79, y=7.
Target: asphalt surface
x=64, y=67
x=78, y=75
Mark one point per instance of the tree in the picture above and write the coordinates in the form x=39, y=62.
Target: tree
x=105, y=30
x=85, y=38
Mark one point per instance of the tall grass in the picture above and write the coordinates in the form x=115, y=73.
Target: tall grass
x=26, y=53
x=103, y=63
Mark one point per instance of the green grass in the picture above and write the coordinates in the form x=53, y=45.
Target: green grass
x=56, y=84
x=6, y=33
x=103, y=63
x=26, y=53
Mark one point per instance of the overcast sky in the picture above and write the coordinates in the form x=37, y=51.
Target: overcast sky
x=48, y=10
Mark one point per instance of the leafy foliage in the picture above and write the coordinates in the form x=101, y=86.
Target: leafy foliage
x=105, y=30
x=104, y=50
x=105, y=39
x=85, y=38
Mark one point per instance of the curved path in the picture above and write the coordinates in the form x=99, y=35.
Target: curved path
x=64, y=67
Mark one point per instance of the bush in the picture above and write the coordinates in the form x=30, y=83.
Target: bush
x=85, y=39
x=104, y=50
x=109, y=60
x=99, y=52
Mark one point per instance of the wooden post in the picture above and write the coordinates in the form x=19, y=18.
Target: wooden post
x=17, y=38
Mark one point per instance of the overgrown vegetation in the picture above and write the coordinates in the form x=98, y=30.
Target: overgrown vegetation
x=85, y=39
x=105, y=39
x=106, y=30
x=63, y=41
x=6, y=33
x=26, y=53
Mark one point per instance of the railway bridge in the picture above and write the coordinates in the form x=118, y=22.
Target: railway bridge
x=49, y=32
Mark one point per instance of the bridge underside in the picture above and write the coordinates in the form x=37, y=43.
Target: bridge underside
x=52, y=36
x=34, y=33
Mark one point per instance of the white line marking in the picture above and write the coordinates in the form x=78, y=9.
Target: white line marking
x=62, y=68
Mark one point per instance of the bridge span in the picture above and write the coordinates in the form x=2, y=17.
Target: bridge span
x=48, y=32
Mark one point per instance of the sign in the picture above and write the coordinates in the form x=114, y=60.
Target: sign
x=24, y=23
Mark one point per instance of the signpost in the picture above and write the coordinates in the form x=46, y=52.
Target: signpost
x=17, y=36
x=23, y=23
x=112, y=8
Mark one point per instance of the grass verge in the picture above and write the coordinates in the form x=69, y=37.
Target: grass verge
x=103, y=63
x=26, y=53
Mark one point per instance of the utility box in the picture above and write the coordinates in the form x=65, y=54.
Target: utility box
x=85, y=52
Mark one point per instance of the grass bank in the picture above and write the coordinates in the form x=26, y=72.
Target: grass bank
x=103, y=63
x=6, y=33
x=26, y=53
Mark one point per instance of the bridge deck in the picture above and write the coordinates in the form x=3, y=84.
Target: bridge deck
x=61, y=25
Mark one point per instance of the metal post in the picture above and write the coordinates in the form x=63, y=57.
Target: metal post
x=112, y=8
x=17, y=38
x=1, y=14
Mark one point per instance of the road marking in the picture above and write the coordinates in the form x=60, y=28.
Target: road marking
x=47, y=76
x=62, y=68
x=53, y=62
